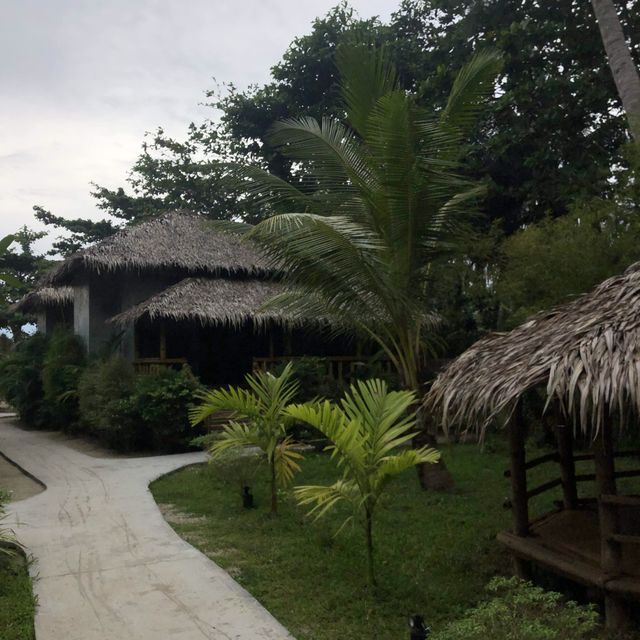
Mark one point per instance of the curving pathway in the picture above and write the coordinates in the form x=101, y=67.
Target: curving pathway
x=107, y=565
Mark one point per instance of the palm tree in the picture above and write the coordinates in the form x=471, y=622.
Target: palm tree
x=625, y=73
x=258, y=419
x=366, y=431
x=377, y=202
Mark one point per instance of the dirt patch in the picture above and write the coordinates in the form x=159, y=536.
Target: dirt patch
x=19, y=485
x=174, y=516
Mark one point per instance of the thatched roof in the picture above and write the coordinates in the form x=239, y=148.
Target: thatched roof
x=42, y=298
x=175, y=240
x=210, y=301
x=586, y=353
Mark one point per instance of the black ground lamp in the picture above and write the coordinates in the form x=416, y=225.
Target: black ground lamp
x=419, y=630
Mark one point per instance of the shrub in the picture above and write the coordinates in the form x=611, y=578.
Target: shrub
x=104, y=395
x=62, y=365
x=161, y=400
x=518, y=610
x=7, y=538
x=21, y=380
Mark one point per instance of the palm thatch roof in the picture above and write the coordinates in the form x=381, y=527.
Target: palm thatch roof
x=177, y=240
x=42, y=298
x=586, y=353
x=212, y=301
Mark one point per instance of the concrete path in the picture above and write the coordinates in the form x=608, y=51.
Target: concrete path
x=107, y=565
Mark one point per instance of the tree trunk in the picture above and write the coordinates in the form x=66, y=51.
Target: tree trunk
x=369, y=531
x=432, y=476
x=274, y=489
x=625, y=73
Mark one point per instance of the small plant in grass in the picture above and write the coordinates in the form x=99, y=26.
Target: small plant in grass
x=518, y=610
x=258, y=419
x=7, y=537
x=366, y=429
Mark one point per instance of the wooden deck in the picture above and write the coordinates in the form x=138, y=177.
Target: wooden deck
x=568, y=542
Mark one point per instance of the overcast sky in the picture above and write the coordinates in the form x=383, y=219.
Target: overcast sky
x=82, y=80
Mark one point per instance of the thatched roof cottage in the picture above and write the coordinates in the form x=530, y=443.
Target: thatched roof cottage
x=584, y=358
x=174, y=290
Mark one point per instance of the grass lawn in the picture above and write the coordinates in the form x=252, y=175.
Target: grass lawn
x=17, y=603
x=435, y=552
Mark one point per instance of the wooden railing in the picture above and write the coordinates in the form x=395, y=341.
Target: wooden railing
x=340, y=368
x=582, y=477
x=149, y=365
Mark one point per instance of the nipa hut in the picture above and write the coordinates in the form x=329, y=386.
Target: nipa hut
x=585, y=358
x=51, y=306
x=173, y=290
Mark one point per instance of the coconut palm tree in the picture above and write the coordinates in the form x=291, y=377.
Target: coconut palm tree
x=367, y=430
x=377, y=201
x=258, y=419
x=625, y=73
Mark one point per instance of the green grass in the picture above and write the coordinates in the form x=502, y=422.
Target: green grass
x=17, y=603
x=435, y=552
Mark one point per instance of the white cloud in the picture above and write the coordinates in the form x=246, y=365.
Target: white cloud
x=83, y=80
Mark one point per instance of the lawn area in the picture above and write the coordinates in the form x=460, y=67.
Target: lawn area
x=17, y=603
x=435, y=552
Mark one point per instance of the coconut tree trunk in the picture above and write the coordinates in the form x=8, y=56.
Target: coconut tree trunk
x=435, y=477
x=625, y=73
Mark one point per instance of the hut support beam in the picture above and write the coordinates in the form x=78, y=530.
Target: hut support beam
x=564, y=438
x=616, y=615
x=519, y=500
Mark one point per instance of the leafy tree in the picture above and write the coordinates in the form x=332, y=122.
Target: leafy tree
x=555, y=129
x=21, y=267
x=258, y=419
x=366, y=430
x=553, y=260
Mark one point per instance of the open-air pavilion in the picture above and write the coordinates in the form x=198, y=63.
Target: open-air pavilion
x=585, y=358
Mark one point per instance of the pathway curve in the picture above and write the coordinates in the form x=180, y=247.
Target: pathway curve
x=107, y=565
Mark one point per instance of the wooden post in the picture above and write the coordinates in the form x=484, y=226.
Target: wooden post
x=564, y=437
x=519, y=500
x=163, y=342
x=616, y=616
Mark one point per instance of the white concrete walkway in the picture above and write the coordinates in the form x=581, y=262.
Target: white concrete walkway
x=107, y=565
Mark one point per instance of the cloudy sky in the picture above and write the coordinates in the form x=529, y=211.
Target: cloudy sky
x=82, y=80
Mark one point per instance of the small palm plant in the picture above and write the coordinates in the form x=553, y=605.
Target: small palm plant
x=7, y=537
x=367, y=430
x=258, y=419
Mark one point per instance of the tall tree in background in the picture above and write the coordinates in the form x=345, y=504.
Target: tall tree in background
x=625, y=72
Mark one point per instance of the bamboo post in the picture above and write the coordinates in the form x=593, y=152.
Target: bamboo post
x=519, y=500
x=564, y=438
x=616, y=617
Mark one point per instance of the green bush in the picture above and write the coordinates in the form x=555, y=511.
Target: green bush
x=162, y=400
x=518, y=610
x=21, y=380
x=130, y=412
x=62, y=365
x=105, y=389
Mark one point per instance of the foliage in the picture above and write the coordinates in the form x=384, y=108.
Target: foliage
x=7, y=537
x=258, y=419
x=17, y=602
x=21, y=380
x=21, y=267
x=133, y=412
x=436, y=552
x=162, y=400
x=61, y=368
x=555, y=259
x=106, y=411
x=366, y=431
x=383, y=199
x=518, y=610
